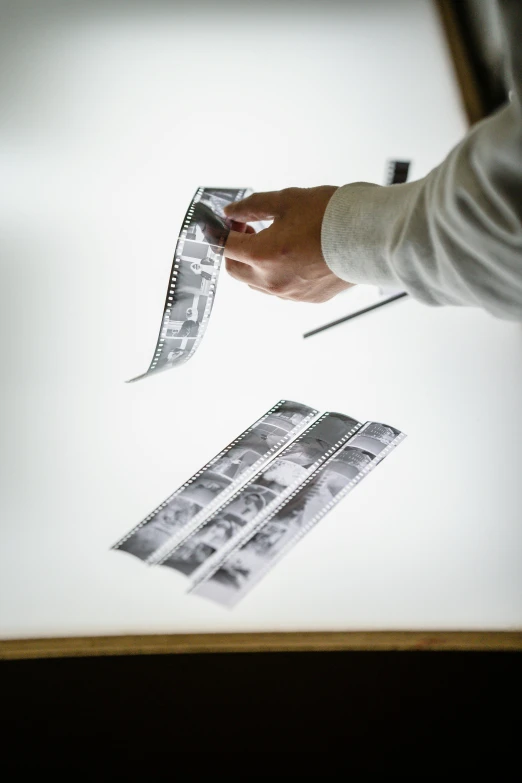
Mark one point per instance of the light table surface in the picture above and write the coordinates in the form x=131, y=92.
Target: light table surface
x=115, y=117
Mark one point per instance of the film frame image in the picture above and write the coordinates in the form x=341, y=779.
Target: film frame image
x=246, y=565
x=247, y=506
x=193, y=277
x=223, y=473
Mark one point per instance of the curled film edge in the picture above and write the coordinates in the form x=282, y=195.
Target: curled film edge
x=193, y=278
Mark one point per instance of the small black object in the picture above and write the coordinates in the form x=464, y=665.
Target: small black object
x=397, y=172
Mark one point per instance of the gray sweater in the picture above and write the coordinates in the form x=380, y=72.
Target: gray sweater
x=455, y=236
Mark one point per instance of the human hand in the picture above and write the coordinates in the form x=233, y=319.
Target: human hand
x=285, y=259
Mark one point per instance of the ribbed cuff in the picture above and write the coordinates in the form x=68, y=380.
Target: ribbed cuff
x=358, y=230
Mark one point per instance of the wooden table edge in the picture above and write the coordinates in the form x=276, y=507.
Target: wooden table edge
x=462, y=61
x=85, y=646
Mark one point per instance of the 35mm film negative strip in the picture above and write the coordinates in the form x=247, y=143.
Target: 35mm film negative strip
x=216, y=481
x=247, y=507
x=193, y=277
x=275, y=467
x=230, y=577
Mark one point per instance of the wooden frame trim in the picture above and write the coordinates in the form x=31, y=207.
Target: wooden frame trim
x=87, y=646
x=461, y=58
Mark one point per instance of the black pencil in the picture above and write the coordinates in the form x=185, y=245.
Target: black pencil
x=353, y=315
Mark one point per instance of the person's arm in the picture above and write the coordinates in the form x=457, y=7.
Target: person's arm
x=454, y=237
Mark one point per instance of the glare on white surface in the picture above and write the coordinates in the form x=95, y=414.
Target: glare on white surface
x=112, y=115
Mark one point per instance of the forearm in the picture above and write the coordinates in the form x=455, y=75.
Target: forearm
x=454, y=237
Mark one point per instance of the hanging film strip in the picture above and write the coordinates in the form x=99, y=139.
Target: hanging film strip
x=193, y=277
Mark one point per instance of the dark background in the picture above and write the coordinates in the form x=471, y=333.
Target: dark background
x=241, y=716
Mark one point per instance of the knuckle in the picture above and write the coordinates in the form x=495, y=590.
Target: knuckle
x=275, y=286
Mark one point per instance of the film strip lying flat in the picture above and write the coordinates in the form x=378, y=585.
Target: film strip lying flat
x=232, y=576
x=193, y=277
x=253, y=502
x=216, y=481
x=262, y=492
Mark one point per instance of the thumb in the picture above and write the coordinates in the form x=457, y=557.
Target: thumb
x=240, y=246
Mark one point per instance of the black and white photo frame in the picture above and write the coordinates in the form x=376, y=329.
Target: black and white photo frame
x=193, y=277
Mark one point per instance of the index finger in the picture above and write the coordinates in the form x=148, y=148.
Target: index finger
x=258, y=206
